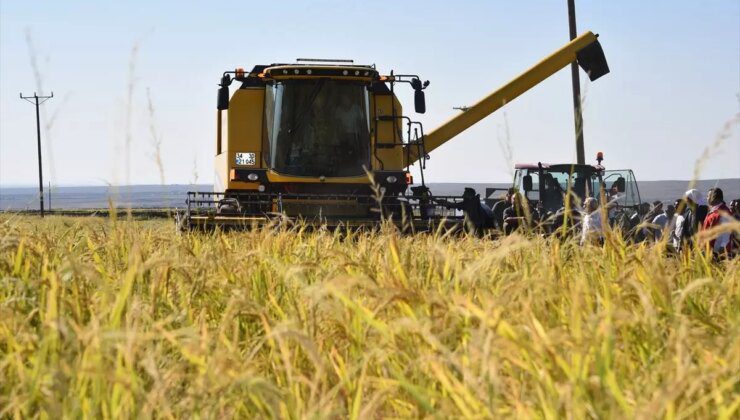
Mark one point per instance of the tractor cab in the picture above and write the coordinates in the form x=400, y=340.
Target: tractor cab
x=547, y=186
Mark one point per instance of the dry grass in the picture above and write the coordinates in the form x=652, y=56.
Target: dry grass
x=126, y=319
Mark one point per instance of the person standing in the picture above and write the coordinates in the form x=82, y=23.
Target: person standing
x=718, y=214
x=515, y=216
x=591, y=225
x=478, y=216
x=679, y=220
x=696, y=212
x=499, y=207
x=664, y=221
x=637, y=231
x=735, y=208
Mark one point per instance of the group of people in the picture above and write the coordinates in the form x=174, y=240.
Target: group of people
x=681, y=221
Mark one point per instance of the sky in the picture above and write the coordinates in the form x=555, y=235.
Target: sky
x=128, y=76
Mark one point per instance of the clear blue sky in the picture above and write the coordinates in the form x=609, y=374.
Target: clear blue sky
x=674, y=84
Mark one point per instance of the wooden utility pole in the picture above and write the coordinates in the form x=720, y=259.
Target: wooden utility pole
x=580, y=152
x=36, y=102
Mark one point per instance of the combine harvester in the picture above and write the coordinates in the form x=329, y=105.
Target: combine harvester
x=326, y=141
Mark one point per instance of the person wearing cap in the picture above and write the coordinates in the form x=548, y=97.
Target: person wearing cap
x=718, y=214
x=696, y=212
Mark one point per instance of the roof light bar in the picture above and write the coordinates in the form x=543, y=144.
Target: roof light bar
x=325, y=60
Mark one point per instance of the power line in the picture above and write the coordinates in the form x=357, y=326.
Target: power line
x=36, y=102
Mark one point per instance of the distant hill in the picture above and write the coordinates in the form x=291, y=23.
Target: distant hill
x=150, y=196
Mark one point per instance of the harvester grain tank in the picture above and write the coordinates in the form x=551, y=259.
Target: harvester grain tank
x=328, y=141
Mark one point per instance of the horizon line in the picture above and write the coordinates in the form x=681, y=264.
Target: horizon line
x=73, y=185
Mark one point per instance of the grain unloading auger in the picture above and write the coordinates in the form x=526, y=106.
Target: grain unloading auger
x=326, y=141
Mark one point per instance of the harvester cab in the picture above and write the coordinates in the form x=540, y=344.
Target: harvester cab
x=328, y=141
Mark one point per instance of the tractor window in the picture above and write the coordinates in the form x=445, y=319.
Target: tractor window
x=622, y=179
x=534, y=194
x=318, y=128
x=561, y=180
x=581, y=184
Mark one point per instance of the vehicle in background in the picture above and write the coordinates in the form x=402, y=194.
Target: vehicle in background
x=554, y=191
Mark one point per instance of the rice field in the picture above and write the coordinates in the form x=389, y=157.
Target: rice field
x=104, y=318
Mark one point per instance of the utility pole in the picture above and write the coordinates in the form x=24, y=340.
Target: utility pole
x=36, y=102
x=580, y=153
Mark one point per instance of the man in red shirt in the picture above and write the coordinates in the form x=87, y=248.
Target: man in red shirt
x=718, y=214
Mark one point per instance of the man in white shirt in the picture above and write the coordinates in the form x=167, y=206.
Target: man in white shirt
x=591, y=229
x=664, y=221
x=677, y=233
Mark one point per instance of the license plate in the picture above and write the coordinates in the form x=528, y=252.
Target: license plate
x=246, y=158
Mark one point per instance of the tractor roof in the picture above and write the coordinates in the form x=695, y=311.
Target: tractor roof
x=565, y=167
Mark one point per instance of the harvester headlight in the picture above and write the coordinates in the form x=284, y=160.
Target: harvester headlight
x=285, y=71
x=253, y=176
x=308, y=71
x=296, y=71
x=344, y=72
x=357, y=72
x=261, y=188
x=391, y=179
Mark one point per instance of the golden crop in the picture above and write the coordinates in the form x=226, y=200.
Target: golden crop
x=110, y=319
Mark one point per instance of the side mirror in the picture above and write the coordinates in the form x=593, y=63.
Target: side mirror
x=620, y=184
x=223, y=98
x=527, y=183
x=420, y=104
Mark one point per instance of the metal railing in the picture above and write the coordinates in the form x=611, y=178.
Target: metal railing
x=329, y=206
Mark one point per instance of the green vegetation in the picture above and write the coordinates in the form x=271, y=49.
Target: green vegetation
x=109, y=319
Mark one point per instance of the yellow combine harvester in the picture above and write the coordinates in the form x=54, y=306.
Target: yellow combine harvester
x=327, y=141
